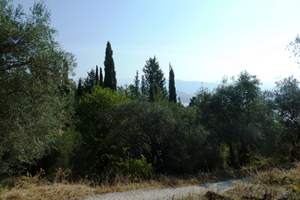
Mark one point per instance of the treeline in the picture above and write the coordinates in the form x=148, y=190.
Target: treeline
x=100, y=131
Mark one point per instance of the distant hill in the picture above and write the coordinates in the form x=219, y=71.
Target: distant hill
x=187, y=89
x=191, y=87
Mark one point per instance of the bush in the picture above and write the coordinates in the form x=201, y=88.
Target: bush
x=96, y=156
x=137, y=169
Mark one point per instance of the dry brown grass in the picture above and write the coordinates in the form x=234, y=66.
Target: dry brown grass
x=275, y=184
x=270, y=184
x=37, y=188
x=49, y=192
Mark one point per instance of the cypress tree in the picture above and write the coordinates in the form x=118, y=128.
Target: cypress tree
x=136, y=84
x=143, y=86
x=172, y=89
x=101, y=78
x=109, y=69
x=79, y=88
x=97, y=76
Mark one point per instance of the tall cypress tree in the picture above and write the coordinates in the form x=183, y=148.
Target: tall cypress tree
x=101, y=78
x=97, y=76
x=143, y=86
x=137, y=84
x=79, y=88
x=172, y=89
x=109, y=69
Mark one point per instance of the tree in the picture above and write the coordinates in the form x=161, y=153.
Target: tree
x=97, y=76
x=233, y=113
x=137, y=84
x=154, y=79
x=294, y=47
x=95, y=111
x=109, y=68
x=79, y=88
x=164, y=133
x=36, y=91
x=90, y=81
x=101, y=78
x=143, y=86
x=287, y=104
x=172, y=89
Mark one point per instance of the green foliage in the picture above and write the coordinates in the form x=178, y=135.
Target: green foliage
x=90, y=81
x=95, y=113
x=136, y=86
x=100, y=132
x=110, y=80
x=287, y=103
x=234, y=114
x=36, y=94
x=136, y=169
x=65, y=147
x=161, y=132
x=101, y=78
x=97, y=76
x=172, y=89
x=79, y=91
x=154, y=81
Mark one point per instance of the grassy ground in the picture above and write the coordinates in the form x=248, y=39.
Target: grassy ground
x=37, y=188
x=275, y=184
x=271, y=184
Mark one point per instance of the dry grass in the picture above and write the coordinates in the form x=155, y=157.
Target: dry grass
x=37, y=188
x=271, y=184
x=49, y=192
x=275, y=184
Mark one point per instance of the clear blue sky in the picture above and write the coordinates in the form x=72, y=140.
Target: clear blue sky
x=204, y=40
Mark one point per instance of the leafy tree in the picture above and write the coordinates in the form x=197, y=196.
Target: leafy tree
x=233, y=113
x=36, y=91
x=172, y=89
x=287, y=102
x=90, y=81
x=163, y=134
x=154, y=80
x=95, y=113
x=294, y=47
x=110, y=80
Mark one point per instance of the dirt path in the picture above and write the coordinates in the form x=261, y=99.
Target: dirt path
x=166, y=193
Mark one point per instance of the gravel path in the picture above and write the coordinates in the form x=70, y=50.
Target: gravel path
x=167, y=193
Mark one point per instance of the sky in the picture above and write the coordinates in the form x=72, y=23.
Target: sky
x=204, y=40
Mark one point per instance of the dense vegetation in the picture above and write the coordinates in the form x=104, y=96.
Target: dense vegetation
x=100, y=131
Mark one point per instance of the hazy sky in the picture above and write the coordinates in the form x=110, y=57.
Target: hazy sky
x=204, y=40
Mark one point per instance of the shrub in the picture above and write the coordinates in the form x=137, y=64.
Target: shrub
x=137, y=169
